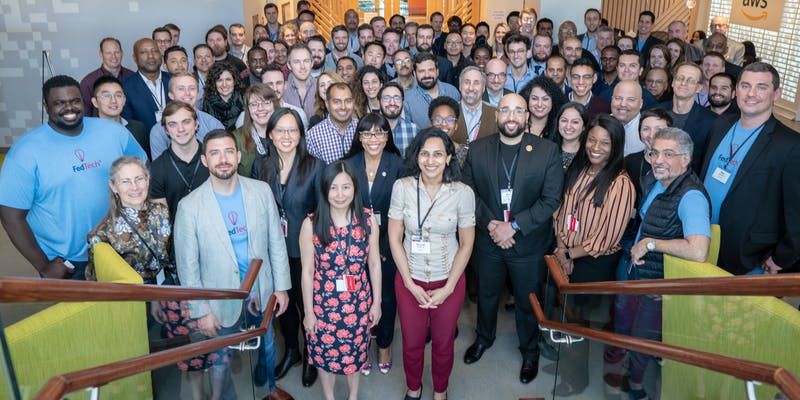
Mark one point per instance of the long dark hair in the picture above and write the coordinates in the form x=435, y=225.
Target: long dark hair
x=366, y=123
x=271, y=163
x=612, y=169
x=557, y=97
x=555, y=135
x=215, y=72
x=360, y=101
x=451, y=172
x=322, y=220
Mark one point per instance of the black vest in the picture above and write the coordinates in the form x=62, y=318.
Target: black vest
x=661, y=219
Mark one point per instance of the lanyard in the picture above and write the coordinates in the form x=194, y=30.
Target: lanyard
x=190, y=182
x=509, y=171
x=731, y=152
x=581, y=195
x=421, y=222
x=160, y=89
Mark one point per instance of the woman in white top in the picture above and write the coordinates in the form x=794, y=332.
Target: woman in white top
x=428, y=208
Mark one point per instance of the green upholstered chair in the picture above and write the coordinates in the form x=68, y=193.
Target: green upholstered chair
x=72, y=336
x=757, y=328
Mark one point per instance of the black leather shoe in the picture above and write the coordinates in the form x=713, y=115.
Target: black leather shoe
x=309, y=373
x=529, y=370
x=474, y=352
x=290, y=359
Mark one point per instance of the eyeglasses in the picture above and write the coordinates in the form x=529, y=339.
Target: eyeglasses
x=403, y=61
x=501, y=75
x=516, y=52
x=257, y=104
x=668, y=154
x=516, y=111
x=139, y=180
x=452, y=42
x=441, y=120
x=386, y=98
x=372, y=135
x=686, y=79
x=117, y=96
x=285, y=132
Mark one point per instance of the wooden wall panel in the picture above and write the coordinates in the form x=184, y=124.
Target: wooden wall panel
x=624, y=14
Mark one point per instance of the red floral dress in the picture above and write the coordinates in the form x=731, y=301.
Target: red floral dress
x=342, y=340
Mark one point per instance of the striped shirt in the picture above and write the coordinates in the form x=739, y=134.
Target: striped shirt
x=599, y=229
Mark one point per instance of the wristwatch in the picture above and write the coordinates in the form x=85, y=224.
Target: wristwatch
x=515, y=226
x=651, y=246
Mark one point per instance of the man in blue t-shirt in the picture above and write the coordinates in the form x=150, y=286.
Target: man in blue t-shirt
x=55, y=181
x=219, y=228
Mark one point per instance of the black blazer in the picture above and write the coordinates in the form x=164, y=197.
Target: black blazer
x=537, y=185
x=698, y=126
x=140, y=104
x=298, y=200
x=760, y=216
x=380, y=197
x=648, y=44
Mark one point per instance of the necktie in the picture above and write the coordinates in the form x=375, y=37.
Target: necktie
x=537, y=68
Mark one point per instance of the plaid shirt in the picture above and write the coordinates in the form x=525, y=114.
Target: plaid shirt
x=324, y=141
x=404, y=133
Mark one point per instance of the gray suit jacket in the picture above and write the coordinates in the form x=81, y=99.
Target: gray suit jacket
x=205, y=257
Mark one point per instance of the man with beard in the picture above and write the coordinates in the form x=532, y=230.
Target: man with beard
x=581, y=78
x=570, y=48
x=217, y=41
x=686, y=113
x=301, y=87
x=256, y=61
x=425, y=39
x=428, y=88
x=721, y=94
x=47, y=174
x=391, y=99
x=495, y=81
x=182, y=87
x=519, y=73
x=316, y=44
x=219, y=228
x=330, y=139
x=542, y=49
x=517, y=180
x=146, y=91
x=476, y=118
x=111, y=56
x=339, y=40
x=404, y=65
x=176, y=60
x=109, y=100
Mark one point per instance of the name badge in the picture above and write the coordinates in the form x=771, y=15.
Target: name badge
x=158, y=116
x=378, y=217
x=721, y=175
x=346, y=283
x=572, y=223
x=505, y=196
x=419, y=245
x=506, y=215
x=284, y=226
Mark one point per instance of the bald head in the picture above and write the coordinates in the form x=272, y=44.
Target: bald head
x=495, y=75
x=566, y=29
x=719, y=24
x=626, y=101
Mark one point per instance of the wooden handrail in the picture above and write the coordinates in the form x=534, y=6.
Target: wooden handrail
x=29, y=290
x=58, y=386
x=750, y=285
x=736, y=367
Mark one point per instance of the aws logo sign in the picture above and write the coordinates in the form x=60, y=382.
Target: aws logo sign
x=83, y=165
x=763, y=14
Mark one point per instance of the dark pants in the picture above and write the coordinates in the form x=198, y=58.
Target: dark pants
x=293, y=317
x=80, y=270
x=385, y=328
x=527, y=273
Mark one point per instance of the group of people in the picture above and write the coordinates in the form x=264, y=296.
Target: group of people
x=399, y=169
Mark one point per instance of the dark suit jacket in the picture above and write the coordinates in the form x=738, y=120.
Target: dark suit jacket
x=380, y=197
x=760, y=216
x=698, y=126
x=538, y=182
x=140, y=104
x=299, y=199
x=733, y=69
x=584, y=54
x=597, y=105
x=488, y=124
x=445, y=69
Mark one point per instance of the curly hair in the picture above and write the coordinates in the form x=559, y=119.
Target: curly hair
x=361, y=102
x=214, y=74
x=557, y=97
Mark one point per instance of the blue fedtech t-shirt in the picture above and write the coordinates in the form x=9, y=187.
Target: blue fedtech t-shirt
x=63, y=182
x=232, y=208
x=728, y=156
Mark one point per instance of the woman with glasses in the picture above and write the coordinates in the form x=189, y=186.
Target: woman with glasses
x=293, y=175
x=223, y=94
x=320, y=110
x=376, y=161
x=544, y=101
x=443, y=112
x=428, y=208
x=251, y=138
x=367, y=85
x=596, y=206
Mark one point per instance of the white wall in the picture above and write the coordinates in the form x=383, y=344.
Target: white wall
x=560, y=11
x=71, y=31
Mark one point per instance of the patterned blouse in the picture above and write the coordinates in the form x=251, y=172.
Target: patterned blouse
x=152, y=225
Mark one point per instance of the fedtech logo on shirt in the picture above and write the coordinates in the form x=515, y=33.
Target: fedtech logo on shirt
x=233, y=217
x=83, y=165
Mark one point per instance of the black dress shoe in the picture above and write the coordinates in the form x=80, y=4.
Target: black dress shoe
x=309, y=373
x=290, y=359
x=474, y=352
x=529, y=370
